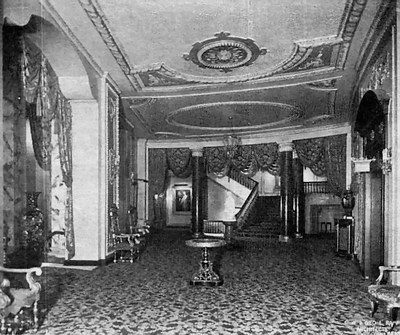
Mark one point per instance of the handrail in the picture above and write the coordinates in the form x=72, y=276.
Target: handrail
x=244, y=212
x=241, y=178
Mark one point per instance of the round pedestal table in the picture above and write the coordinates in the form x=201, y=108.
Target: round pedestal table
x=205, y=275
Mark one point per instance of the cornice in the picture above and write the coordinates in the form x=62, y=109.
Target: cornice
x=288, y=134
x=99, y=21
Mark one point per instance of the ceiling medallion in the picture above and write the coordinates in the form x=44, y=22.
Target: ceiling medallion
x=224, y=52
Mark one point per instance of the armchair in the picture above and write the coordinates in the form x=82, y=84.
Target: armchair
x=142, y=230
x=385, y=293
x=124, y=245
x=19, y=306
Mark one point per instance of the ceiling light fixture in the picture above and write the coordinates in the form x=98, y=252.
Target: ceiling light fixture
x=232, y=142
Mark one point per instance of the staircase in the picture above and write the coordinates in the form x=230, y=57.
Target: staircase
x=265, y=220
x=259, y=216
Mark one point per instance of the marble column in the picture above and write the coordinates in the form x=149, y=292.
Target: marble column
x=287, y=191
x=198, y=171
x=299, y=197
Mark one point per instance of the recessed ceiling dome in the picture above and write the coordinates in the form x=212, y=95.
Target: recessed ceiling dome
x=238, y=115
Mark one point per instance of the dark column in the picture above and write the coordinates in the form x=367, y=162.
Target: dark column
x=198, y=168
x=299, y=197
x=287, y=191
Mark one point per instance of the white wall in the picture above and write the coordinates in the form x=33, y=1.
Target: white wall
x=222, y=204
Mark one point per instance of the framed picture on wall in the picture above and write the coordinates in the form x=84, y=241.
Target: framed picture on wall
x=183, y=201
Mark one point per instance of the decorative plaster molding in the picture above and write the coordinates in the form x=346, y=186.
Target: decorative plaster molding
x=362, y=164
x=293, y=114
x=319, y=119
x=350, y=20
x=331, y=102
x=275, y=135
x=384, y=19
x=197, y=151
x=324, y=85
x=286, y=146
x=278, y=81
x=99, y=21
x=167, y=134
x=308, y=55
x=224, y=52
x=141, y=102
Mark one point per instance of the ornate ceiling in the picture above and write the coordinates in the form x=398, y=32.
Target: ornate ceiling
x=205, y=68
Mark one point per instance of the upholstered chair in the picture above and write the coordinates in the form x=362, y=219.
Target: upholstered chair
x=384, y=292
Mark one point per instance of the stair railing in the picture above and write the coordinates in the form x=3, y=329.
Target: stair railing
x=247, y=208
x=241, y=178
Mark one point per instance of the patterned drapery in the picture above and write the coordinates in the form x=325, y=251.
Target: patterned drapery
x=179, y=161
x=267, y=157
x=46, y=103
x=63, y=129
x=217, y=160
x=158, y=179
x=312, y=154
x=335, y=160
x=248, y=159
x=325, y=156
x=244, y=160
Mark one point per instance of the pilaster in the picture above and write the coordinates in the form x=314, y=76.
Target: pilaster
x=287, y=191
x=88, y=171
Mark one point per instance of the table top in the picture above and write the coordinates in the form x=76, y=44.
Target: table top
x=205, y=243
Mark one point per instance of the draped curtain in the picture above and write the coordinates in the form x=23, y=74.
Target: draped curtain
x=158, y=182
x=325, y=156
x=244, y=160
x=312, y=154
x=267, y=157
x=335, y=159
x=217, y=161
x=248, y=159
x=40, y=90
x=46, y=103
x=179, y=161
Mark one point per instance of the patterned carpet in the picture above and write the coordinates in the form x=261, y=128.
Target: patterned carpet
x=269, y=288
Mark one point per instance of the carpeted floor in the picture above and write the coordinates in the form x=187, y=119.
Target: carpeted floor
x=269, y=288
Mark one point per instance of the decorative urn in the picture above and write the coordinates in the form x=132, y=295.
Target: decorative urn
x=348, y=202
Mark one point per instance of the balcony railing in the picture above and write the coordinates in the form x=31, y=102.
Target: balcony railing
x=316, y=187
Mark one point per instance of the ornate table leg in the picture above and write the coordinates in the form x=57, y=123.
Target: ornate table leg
x=206, y=275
